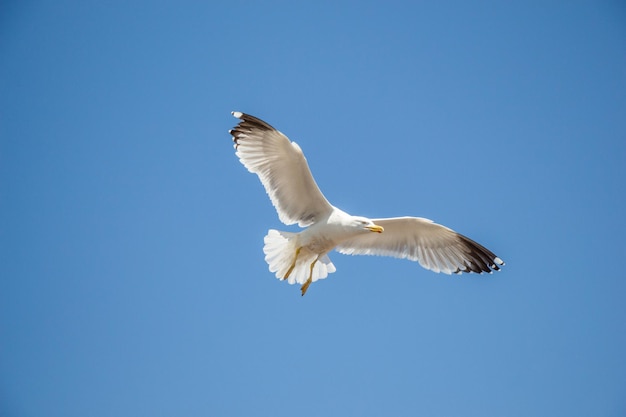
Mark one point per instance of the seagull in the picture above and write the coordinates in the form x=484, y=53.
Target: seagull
x=303, y=257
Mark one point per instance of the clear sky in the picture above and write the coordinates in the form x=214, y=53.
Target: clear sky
x=131, y=267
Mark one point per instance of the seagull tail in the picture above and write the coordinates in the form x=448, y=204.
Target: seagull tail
x=292, y=263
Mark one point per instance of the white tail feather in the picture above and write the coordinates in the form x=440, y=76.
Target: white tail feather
x=280, y=250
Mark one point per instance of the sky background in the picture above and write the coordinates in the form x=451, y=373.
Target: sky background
x=132, y=278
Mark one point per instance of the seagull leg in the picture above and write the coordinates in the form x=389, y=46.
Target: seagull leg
x=293, y=264
x=310, y=280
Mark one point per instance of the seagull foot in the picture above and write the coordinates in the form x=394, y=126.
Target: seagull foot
x=306, y=286
x=293, y=264
x=308, y=282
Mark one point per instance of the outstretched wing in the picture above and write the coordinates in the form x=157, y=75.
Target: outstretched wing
x=434, y=246
x=282, y=169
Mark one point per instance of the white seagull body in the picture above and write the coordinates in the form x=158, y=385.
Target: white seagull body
x=303, y=257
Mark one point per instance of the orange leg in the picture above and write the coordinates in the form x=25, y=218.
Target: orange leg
x=310, y=280
x=293, y=264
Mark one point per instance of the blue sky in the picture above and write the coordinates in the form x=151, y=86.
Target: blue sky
x=131, y=268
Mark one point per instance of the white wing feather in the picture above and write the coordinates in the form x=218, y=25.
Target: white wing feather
x=434, y=246
x=282, y=169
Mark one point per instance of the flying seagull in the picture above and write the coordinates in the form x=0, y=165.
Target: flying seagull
x=303, y=257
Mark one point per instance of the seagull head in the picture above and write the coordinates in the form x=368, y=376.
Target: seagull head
x=367, y=224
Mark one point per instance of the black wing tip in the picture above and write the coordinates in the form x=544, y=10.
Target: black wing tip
x=247, y=125
x=249, y=122
x=496, y=264
x=480, y=260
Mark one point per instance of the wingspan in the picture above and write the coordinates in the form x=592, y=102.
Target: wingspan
x=434, y=246
x=282, y=169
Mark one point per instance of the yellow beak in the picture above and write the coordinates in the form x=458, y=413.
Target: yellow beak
x=376, y=228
